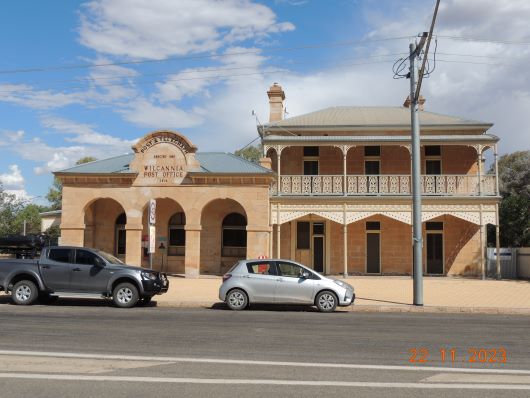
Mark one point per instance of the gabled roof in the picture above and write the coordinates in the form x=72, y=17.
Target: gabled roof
x=376, y=116
x=211, y=162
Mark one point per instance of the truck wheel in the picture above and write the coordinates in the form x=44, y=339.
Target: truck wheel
x=24, y=293
x=125, y=295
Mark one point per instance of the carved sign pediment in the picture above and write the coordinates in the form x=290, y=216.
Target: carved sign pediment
x=163, y=158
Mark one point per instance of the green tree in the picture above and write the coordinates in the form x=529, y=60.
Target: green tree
x=31, y=214
x=251, y=153
x=10, y=206
x=514, y=208
x=55, y=193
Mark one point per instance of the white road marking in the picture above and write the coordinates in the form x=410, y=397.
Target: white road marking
x=181, y=380
x=476, y=378
x=263, y=363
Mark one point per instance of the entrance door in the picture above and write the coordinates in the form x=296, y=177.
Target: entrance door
x=318, y=247
x=318, y=253
x=373, y=258
x=435, y=263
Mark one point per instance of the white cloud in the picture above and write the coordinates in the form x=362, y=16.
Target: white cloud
x=83, y=133
x=12, y=179
x=162, y=28
x=26, y=95
x=146, y=114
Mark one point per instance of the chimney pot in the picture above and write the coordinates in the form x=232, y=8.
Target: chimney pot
x=276, y=97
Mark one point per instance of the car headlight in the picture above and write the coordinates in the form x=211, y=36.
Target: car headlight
x=341, y=284
x=149, y=276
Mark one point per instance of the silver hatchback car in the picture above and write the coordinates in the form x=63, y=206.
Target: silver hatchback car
x=282, y=282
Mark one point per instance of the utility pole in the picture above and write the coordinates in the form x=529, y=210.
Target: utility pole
x=415, y=86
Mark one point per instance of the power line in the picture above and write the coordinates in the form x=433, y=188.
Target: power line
x=185, y=58
x=200, y=71
x=514, y=42
x=213, y=77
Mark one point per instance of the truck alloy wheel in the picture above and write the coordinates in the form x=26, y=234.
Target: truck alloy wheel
x=125, y=295
x=24, y=293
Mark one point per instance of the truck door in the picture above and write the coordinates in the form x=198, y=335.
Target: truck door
x=55, y=268
x=88, y=275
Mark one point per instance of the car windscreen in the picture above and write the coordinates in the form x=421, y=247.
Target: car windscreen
x=109, y=257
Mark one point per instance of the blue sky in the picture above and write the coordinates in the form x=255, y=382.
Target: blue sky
x=51, y=118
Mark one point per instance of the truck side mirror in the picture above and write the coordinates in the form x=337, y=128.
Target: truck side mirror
x=99, y=262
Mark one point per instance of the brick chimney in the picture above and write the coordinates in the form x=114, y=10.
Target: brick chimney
x=406, y=104
x=276, y=97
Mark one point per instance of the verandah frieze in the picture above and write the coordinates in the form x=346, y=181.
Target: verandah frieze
x=403, y=212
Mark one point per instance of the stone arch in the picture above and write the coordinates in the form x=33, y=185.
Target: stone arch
x=215, y=260
x=165, y=258
x=100, y=216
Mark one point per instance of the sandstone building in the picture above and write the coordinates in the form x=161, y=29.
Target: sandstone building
x=332, y=191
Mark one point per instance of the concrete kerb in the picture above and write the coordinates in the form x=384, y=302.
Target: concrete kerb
x=371, y=308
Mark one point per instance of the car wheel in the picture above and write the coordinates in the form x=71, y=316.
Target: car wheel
x=24, y=293
x=326, y=301
x=125, y=295
x=236, y=300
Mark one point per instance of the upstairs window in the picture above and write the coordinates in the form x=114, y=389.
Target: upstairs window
x=372, y=151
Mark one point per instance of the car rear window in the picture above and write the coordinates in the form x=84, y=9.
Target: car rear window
x=262, y=267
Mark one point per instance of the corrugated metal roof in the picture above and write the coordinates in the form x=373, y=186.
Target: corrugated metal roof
x=211, y=162
x=380, y=138
x=363, y=116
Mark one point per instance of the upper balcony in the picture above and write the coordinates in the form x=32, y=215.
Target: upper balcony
x=383, y=185
x=354, y=167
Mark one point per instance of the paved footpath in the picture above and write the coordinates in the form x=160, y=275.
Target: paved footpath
x=387, y=294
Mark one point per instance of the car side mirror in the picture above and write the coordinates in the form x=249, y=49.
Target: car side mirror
x=99, y=262
x=306, y=275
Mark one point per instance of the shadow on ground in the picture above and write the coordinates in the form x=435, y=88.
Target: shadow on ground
x=274, y=307
x=73, y=302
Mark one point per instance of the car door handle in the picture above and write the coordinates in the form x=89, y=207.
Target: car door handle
x=279, y=280
x=45, y=266
x=76, y=269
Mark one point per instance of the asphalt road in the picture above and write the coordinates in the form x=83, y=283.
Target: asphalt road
x=86, y=348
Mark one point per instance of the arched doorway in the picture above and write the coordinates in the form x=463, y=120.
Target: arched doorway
x=223, y=236
x=121, y=236
x=105, y=221
x=170, y=236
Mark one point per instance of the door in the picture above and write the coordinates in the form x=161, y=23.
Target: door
x=318, y=247
x=435, y=263
x=55, y=269
x=86, y=275
x=291, y=287
x=373, y=258
x=261, y=281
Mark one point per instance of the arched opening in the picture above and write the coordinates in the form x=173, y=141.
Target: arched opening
x=177, y=235
x=105, y=221
x=234, y=237
x=121, y=235
x=223, y=236
x=170, y=236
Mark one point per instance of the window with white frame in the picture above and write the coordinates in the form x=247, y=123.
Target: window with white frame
x=177, y=235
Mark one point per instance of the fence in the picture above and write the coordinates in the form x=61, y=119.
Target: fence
x=515, y=263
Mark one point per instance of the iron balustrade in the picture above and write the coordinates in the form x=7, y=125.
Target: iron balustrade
x=367, y=185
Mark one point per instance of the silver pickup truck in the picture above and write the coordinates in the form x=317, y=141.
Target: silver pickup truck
x=64, y=269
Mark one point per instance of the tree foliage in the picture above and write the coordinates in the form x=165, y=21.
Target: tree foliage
x=55, y=193
x=514, y=209
x=10, y=206
x=13, y=213
x=251, y=153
